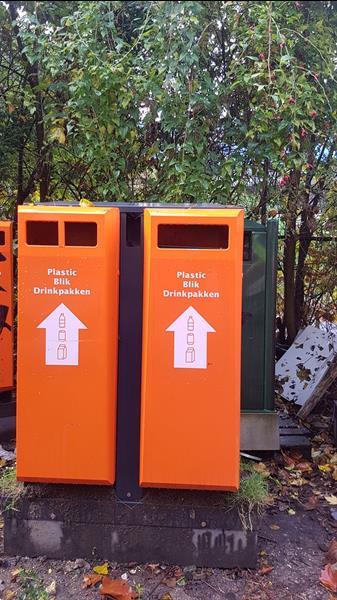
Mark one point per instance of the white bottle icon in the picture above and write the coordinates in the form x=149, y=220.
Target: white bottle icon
x=190, y=324
x=190, y=352
x=62, y=321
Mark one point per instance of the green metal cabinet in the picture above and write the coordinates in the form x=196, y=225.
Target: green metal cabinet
x=258, y=326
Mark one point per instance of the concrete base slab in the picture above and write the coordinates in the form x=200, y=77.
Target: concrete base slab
x=259, y=431
x=185, y=528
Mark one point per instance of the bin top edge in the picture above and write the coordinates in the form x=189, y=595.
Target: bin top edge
x=68, y=210
x=177, y=212
x=142, y=205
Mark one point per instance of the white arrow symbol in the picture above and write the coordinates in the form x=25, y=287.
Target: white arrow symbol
x=190, y=340
x=62, y=328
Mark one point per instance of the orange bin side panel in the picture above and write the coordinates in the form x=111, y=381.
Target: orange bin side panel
x=6, y=305
x=67, y=344
x=190, y=401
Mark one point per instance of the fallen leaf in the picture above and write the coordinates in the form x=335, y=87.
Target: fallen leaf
x=315, y=454
x=312, y=503
x=303, y=374
x=289, y=461
x=9, y=595
x=265, y=569
x=334, y=473
x=2, y=462
x=102, y=569
x=298, y=482
x=328, y=578
x=116, y=589
x=331, y=499
x=85, y=202
x=333, y=459
x=51, y=589
x=91, y=579
x=331, y=555
x=262, y=469
x=274, y=527
x=171, y=582
x=153, y=566
x=291, y=511
x=304, y=467
x=166, y=596
x=15, y=574
x=324, y=468
x=10, y=108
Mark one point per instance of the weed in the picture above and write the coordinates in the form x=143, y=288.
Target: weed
x=31, y=586
x=139, y=590
x=10, y=489
x=252, y=496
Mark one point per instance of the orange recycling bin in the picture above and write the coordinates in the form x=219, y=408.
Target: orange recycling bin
x=6, y=305
x=190, y=399
x=67, y=344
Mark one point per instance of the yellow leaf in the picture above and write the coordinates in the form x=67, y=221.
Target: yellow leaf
x=102, y=569
x=85, y=202
x=331, y=499
x=262, y=469
x=333, y=459
x=2, y=462
x=291, y=512
x=36, y=196
x=324, y=468
x=298, y=482
x=57, y=133
x=274, y=527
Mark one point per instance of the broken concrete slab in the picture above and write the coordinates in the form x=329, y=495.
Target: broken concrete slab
x=308, y=367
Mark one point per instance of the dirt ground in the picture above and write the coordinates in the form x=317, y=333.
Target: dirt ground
x=294, y=535
x=295, y=551
x=294, y=545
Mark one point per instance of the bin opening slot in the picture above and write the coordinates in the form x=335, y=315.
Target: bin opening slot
x=133, y=229
x=209, y=237
x=247, y=246
x=42, y=233
x=80, y=233
x=2, y=238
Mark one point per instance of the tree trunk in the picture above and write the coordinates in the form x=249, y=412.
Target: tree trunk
x=305, y=237
x=289, y=258
x=42, y=169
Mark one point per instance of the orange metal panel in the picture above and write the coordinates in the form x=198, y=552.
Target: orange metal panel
x=6, y=305
x=67, y=344
x=190, y=404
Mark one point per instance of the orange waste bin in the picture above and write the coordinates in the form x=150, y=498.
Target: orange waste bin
x=190, y=399
x=6, y=305
x=68, y=274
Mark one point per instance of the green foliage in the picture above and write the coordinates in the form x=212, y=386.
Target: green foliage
x=10, y=489
x=252, y=497
x=231, y=102
x=31, y=586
